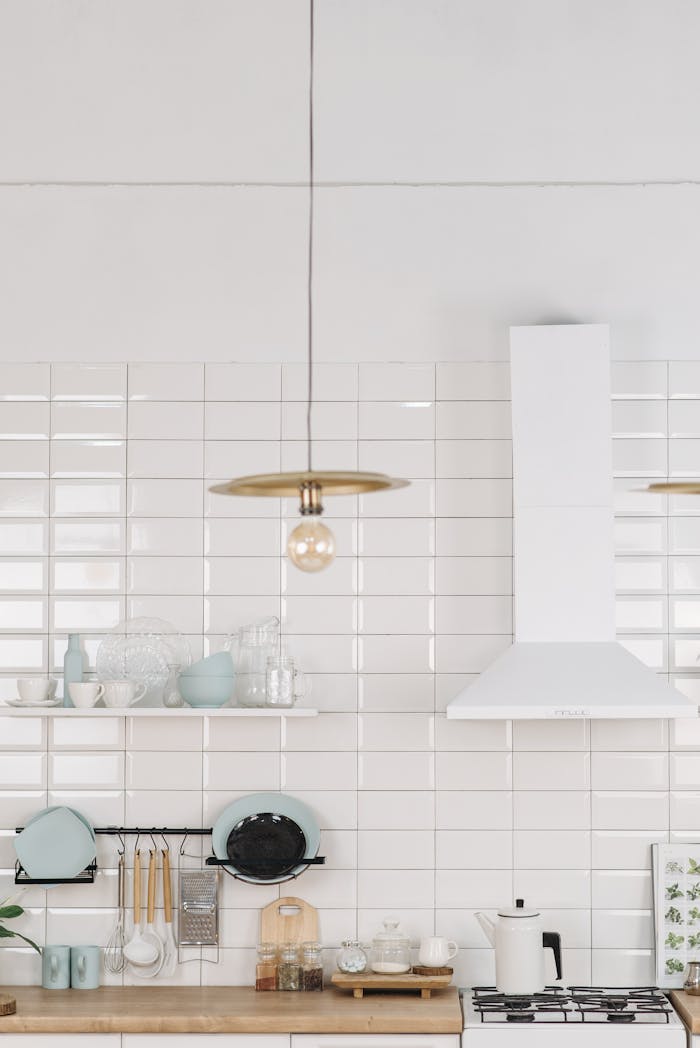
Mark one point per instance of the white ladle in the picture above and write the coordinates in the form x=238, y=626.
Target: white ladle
x=138, y=950
x=170, y=955
x=149, y=971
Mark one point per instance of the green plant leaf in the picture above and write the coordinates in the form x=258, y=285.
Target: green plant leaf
x=10, y=911
x=6, y=933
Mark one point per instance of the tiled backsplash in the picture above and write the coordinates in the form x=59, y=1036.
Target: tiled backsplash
x=105, y=513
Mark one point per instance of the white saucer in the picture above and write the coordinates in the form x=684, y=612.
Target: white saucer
x=21, y=704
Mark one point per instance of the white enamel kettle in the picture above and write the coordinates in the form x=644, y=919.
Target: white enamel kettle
x=519, y=942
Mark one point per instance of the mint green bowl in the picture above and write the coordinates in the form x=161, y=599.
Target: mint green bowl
x=218, y=665
x=206, y=691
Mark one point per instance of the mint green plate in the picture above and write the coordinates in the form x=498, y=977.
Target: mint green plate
x=57, y=846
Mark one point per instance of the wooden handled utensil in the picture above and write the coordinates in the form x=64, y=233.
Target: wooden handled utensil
x=170, y=959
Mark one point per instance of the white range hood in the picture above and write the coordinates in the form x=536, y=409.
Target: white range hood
x=565, y=661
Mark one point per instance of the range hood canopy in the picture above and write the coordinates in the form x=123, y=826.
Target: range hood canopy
x=565, y=661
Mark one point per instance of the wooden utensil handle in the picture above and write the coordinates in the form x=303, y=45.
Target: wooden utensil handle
x=167, y=888
x=137, y=888
x=151, y=887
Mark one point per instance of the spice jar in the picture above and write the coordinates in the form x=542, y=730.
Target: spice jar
x=391, y=950
x=266, y=968
x=311, y=966
x=351, y=958
x=289, y=967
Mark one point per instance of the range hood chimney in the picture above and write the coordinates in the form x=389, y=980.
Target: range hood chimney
x=565, y=661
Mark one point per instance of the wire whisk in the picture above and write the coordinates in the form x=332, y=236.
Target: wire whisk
x=114, y=951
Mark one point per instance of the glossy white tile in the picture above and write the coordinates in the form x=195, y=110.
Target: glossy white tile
x=91, y=382
x=550, y=735
x=395, y=770
x=549, y=770
x=623, y=889
x=95, y=421
x=166, y=381
x=28, y=458
x=166, y=421
x=473, y=771
x=86, y=770
x=473, y=380
x=483, y=420
x=552, y=849
x=628, y=810
x=25, y=381
x=555, y=810
x=396, y=850
x=24, y=421
x=396, y=810
x=165, y=458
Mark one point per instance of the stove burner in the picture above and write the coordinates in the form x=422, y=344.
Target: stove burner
x=574, y=1004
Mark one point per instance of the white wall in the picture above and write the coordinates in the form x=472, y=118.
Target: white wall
x=104, y=512
x=485, y=163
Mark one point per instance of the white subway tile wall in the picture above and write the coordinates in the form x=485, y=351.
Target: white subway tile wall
x=105, y=512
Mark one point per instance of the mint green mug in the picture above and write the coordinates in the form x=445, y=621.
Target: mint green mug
x=85, y=967
x=55, y=967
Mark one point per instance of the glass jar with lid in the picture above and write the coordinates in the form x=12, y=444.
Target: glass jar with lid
x=391, y=950
x=289, y=967
x=351, y=957
x=266, y=968
x=311, y=966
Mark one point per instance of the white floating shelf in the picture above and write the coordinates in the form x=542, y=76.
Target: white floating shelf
x=152, y=711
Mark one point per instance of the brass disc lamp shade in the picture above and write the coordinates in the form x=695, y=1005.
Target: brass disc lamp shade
x=311, y=545
x=675, y=487
x=331, y=482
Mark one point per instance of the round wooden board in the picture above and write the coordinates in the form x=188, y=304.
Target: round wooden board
x=421, y=969
x=8, y=1005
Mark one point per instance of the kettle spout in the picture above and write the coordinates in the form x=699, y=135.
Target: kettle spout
x=487, y=926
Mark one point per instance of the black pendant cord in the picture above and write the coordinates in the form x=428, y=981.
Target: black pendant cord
x=310, y=270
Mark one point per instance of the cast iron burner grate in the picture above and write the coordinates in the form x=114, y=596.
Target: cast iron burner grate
x=551, y=1006
x=574, y=1004
x=620, y=1005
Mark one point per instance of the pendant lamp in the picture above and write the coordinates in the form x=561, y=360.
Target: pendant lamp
x=311, y=545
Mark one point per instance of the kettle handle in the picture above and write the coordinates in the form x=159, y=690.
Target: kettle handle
x=552, y=941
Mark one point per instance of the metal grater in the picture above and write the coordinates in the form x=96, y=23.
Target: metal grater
x=199, y=908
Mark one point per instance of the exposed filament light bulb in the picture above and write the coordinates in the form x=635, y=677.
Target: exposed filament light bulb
x=311, y=546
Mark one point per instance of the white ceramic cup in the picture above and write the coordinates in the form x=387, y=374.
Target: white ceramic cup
x=86, y=693
x=36, y=689
x=122, y=692
x=436, y=952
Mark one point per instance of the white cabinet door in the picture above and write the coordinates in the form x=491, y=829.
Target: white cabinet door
x=61, y=1040
x=204, y=1040
x=381, y=1040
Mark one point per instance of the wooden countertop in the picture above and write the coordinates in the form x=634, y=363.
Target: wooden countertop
x=226, y=1009
x=688, y=1007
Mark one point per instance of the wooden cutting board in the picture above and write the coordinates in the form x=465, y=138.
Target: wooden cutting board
x=289, y=920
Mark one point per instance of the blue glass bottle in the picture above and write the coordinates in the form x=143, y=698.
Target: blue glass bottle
x=73, y=666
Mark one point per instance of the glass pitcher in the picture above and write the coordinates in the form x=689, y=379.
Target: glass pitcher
x=251, y=649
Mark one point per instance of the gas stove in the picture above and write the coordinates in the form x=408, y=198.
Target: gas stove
x=639, y=1016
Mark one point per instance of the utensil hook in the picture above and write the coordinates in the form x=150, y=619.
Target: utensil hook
x=122, y=850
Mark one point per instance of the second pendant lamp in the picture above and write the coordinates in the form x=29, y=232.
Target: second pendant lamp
x=311, y=545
